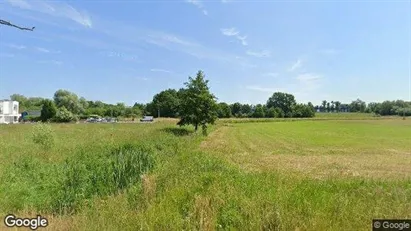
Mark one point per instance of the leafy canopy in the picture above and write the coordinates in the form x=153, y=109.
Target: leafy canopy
x=198, y=106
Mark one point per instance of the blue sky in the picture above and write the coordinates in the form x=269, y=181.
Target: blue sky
x=127, y=51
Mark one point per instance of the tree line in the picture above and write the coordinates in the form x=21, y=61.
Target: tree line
x=394, y=107
x=66, y=106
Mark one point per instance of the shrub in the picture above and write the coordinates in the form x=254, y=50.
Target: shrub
x=63, y=116
x=43, y=135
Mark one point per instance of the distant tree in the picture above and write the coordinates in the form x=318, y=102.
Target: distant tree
x=258, y=111
x=279, y=113
x=198, y=106
x=282, y=100
x=324, y=104
x=21, y=99
x=303, y=111
x=69, y=100
x=166, y=102
x=332, y=106
x=311, y=106
x=224, y=110
x=270, y=113
x=48, y=111
x=357, y=106
x=337, y=106
x=236, y=109
x=246, y=110
x=84, y=103
x=328, y=107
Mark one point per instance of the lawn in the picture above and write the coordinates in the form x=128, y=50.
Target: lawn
x=283, y=175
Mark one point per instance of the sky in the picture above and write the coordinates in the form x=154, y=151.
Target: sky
x=129, y=50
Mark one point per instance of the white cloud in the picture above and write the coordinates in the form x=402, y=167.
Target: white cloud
x=234, y=32
x=54, y=62
x=160, y=70
x=259, y=54
x=55, y=9
x=263, y=89
x=44, y=50
x=199, y=5
x=19, y=3
x=230, y=31
x=296, y=65
x=121, y=55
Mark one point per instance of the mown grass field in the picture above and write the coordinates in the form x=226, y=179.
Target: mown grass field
x=337, y=174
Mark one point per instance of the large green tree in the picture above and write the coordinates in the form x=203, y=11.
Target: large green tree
x=198, y=105
x=166, y=102
x=48, y=111
x=69, y=100
x=282, y=100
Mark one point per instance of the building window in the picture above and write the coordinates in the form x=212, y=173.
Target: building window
x=15, y=108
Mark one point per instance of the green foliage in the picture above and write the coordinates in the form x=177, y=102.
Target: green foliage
x=88, y=174
x=224, y=110
x=357, y=106
x=69, y=100
x=258, y=111
x=43, y=135
x=279, y=113
x=64, y=116
x=236, y=109
x=198, y=106
x=303, y=111
x=281, y=100
x=48, y=111
x=167, y=102
x=271, y=113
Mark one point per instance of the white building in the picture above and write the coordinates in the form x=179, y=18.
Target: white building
x=9, y=112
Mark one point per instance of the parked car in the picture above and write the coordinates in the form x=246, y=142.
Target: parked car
x=147, y=119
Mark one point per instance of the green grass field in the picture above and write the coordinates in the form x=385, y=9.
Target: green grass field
x=336, y=174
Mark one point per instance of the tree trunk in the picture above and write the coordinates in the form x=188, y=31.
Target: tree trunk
x=196, y=127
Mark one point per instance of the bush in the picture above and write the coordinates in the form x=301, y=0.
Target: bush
x=48, y=111
x=43, y=135
x=64, y=116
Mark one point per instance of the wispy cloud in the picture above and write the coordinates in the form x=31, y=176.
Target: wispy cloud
x=309, y=81
x=54, y=62
x=41, y=49
x=199, y=5
x=55, y=9
x=329, y=51
x=160, y=70
x=18, y=47
x=271, y=74
x=121, y=55
x=7, y=55
x=259, y=54
x=296, y=65
x=234, y=32
x=142, y=78
x=263, y=89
